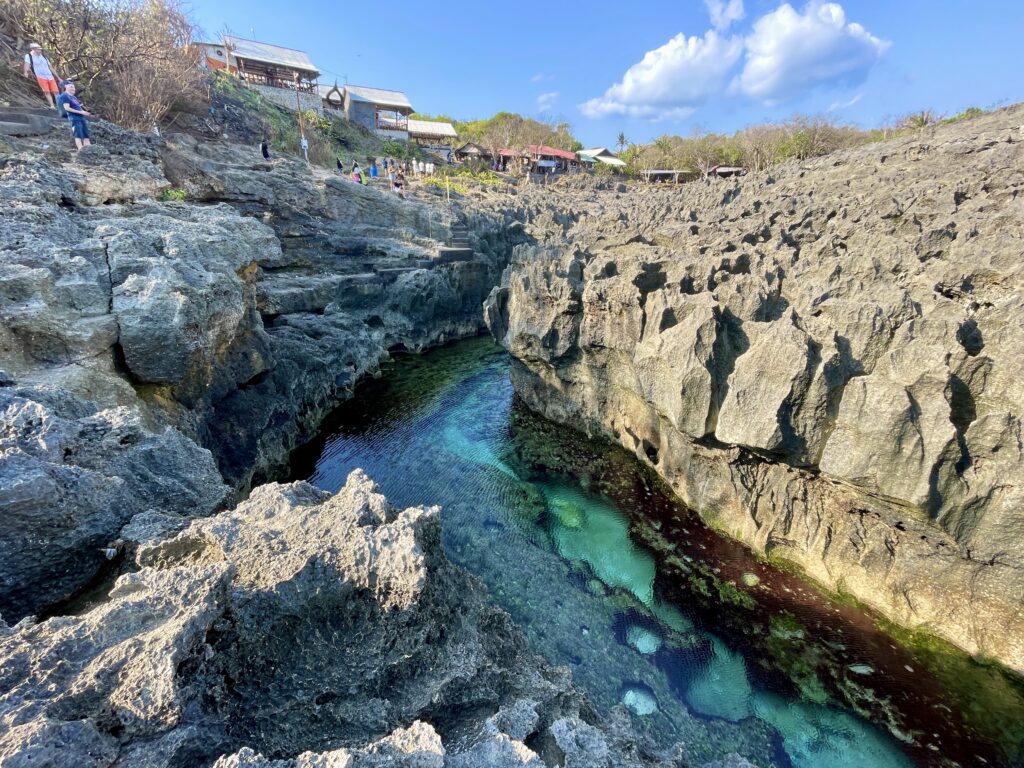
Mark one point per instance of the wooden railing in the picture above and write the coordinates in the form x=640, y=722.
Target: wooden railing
x=392, y=122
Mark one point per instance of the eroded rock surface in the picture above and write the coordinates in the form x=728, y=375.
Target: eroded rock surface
x=824, y=360
x=299, y=629
x=157, y=356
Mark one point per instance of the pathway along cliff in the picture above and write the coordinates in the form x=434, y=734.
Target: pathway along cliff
x=160, y=359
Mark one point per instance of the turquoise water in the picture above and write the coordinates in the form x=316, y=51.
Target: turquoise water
x=609, y=576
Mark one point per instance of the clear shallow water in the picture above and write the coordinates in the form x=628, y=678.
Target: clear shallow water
x=608, y=575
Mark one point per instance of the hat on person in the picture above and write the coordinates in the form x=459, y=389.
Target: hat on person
x=35, y=46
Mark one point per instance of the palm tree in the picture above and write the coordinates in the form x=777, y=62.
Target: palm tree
x=621, y=142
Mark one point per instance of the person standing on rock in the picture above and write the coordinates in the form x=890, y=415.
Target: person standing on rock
x=265, y=149
x=38, y=66
x=74, y=111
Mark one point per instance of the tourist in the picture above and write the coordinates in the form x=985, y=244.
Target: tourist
x=73, y=110
x=341, y=165
x=400, y=184
x=392, y=177
x=38, y=66
x=373, y=169
x=265, y=149
x=357, y=174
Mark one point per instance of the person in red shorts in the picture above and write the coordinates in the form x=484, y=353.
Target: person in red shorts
x=37, y=65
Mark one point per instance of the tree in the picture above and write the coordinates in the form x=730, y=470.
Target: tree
x=134, y=58
x=621, y=142
x=704, y=152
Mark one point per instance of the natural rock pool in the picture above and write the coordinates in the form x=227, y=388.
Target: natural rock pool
x=608, y=575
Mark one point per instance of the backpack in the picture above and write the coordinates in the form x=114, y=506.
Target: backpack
x=63, y=99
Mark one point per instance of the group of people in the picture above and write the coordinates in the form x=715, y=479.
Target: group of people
x=64, y=101
x=392, y=169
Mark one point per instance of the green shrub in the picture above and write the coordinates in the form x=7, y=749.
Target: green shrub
x=173, y=195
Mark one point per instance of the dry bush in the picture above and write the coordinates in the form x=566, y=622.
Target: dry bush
x=132, y=57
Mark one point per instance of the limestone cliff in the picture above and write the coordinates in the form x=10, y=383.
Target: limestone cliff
x=158, y=354
x=824, y=360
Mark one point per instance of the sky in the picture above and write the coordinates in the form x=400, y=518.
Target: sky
x=651, y=68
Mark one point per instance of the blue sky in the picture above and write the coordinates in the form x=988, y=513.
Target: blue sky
x=649, y=68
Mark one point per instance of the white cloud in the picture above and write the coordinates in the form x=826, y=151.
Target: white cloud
x=546, y=101
x=789, y=52
x=670, y=81
x=836, y=106
x=724, y=12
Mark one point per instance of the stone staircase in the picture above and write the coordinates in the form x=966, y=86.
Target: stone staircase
x=27, y=121
x=459, y=250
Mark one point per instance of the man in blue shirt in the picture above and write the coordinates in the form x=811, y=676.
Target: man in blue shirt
x=73, y=110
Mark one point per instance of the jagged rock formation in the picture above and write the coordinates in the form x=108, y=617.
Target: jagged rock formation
x=824, y=360
x=157, y=356
x=300, y=629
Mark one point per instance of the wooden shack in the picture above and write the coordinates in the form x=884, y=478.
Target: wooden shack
x=434, y=134
x=273, y=66
x=380, y=110
x=471, y=151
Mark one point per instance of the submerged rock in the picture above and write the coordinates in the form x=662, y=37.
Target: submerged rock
x=644, y=640
x=722, y=688
x=640, y=701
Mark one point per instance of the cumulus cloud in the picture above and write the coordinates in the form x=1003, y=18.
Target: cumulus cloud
x=790, y=52
x=670, y=81
x=724, y=12
x=546, y=101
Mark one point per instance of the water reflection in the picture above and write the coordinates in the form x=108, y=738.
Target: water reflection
x=553, y=531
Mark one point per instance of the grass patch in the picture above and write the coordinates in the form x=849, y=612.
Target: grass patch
x=173, y=195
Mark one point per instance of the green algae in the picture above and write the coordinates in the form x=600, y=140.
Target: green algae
x=989, y=696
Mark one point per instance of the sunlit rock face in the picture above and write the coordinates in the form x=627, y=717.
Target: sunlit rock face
x=236, y=638
x=158, y=356
x=824, y=360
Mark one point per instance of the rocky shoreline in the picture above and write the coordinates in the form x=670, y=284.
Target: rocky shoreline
x=158, y=356
x=299, y=629
x=823, y=360
x=160, y=359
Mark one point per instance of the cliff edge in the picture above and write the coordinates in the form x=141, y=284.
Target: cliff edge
x=824, y=360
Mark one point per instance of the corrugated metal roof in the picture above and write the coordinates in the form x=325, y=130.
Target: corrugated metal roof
x=269, y=54
x=431, y=129
x=565, y=154
x=610, y=160
x=379, y=96
x=595, y=151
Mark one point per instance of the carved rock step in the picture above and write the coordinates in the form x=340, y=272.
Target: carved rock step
x=17, y=121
